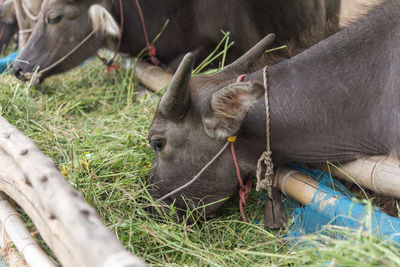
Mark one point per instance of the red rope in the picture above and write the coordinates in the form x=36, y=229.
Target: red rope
x=244, y=188
x=151, y=49
x=3, y=29
x=110, y=63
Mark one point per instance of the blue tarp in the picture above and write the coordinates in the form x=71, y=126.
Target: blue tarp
x=7, y=61
x=344, y=211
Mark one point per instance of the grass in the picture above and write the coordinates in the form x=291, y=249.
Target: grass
x=94, y=125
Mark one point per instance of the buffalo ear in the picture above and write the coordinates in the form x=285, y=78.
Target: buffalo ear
x=103, y=21
x=228, y=107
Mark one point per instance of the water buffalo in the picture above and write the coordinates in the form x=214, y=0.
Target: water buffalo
x=7, y=13
x=8, y=23
x=194, y=26
x=7, y=32
x=337, y=101
x=29, y=10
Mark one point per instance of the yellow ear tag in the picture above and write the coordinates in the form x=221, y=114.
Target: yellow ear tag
x=232, y=139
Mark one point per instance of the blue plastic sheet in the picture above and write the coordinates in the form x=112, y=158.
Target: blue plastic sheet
x=7, y=61
x=344, y=211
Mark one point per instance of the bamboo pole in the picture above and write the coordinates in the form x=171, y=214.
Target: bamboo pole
x=9, y=253
x=14, y=227
x=296, y=185
x=153, y=77
x=378, y=173
x=301, y=187
x=68, y=225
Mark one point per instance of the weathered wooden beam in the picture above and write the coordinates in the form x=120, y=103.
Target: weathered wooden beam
x=70, y=227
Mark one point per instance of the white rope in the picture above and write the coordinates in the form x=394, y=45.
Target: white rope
x=25, y=31
x=197, y=175
x=373, y=175
x=268, y=181
x=31, y=75
x=28, y=12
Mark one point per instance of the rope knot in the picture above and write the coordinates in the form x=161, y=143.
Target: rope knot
x=265, y=160
x=267, y=181
x=151, y=50
x=244, y=191
x=111, y=67
x=152, y=53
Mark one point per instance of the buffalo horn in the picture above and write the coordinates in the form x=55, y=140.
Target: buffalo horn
x=175, y=100
x=242, y=64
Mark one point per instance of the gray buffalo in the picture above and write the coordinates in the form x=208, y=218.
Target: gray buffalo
x=338, y=100
x=194, y=26
x=7, y=32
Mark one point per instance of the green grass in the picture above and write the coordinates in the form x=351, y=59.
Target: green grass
x=94, y=125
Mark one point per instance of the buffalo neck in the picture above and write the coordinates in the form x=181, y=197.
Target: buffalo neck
x=336, y=101
x=156, y=13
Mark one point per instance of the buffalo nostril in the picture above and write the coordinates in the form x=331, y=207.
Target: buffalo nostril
x=17, y=71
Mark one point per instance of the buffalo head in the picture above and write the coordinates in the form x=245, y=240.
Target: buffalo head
x=67, y=32
x=7, y=13
x=191, y=124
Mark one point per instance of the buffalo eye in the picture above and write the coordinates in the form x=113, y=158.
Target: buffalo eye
x=54, y=20
x=158, y=144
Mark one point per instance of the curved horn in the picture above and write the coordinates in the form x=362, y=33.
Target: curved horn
x=175, y=100
x=242, y=64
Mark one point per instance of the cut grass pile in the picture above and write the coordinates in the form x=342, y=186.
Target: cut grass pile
x=94, y=125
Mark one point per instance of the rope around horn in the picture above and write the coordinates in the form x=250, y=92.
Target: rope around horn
x=268, y=181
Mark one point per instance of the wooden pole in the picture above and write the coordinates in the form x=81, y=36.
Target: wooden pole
x=301, y=187
x=69, y=226
x=378, y=173
x=9, y=253
x=14, y=227
x=153, y=77
x=296, y=185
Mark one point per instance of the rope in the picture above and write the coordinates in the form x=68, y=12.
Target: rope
x=197, y=175
x=244, y=188
x=25, y=31
x=28, y=12
x=373, y=175
x=110, y=63
x=30, y=75
x=3, y=29
x=151, y=49
x=268, y=181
